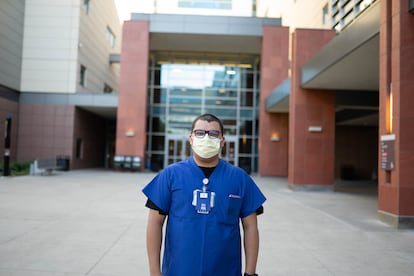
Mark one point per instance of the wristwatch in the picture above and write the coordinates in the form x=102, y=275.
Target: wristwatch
x=247, y=274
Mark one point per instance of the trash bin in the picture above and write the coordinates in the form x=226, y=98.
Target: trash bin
x=136, y=163
x=127, y=162
x=118, y=161
x=62, y=162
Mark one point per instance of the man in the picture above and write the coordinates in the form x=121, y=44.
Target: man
x=204, y=199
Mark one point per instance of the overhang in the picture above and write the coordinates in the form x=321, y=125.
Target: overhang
x=207, y=34
x=278, y=100
x=348, y=64
x=350, y=61
x=9, y=93
x=103, y=105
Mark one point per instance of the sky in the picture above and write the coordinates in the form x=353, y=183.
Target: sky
x=125, y=7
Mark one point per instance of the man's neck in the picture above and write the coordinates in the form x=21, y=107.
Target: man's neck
x=206, y=162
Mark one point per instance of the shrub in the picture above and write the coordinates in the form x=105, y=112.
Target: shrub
x=17, y=168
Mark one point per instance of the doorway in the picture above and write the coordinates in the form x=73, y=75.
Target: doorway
x=177, y=148
x=230, y=151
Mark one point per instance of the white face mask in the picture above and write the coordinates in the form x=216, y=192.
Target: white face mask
x=206, y=147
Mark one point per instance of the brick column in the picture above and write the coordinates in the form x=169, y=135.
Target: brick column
x=311, y=154
x=132, y=103
x=396, y=186
x=274, y=70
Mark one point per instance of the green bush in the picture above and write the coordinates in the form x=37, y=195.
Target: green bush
x=18, y=168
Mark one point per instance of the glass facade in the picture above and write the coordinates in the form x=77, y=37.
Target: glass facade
x=206, y=4
x=179, y=92
x=200, y=7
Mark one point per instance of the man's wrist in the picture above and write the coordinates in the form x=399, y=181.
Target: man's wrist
x=247, y=274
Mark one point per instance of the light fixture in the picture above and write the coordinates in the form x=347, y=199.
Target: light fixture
x=390, y=110
x=130, y=132
x=315, y=129
x=275, y=137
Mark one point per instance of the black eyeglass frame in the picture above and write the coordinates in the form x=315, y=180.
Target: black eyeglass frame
x=211, y=133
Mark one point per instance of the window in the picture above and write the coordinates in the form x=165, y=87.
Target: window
x=79, y=148
x=206, y=4
x=254, y=8
x=325, y=14
x=110, y=37
x=86, y=6
x=82, y=78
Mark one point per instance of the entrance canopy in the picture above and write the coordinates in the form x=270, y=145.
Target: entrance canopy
x=349, y=64
x=210, y=34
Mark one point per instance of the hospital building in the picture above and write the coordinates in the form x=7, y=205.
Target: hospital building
x=315, y=91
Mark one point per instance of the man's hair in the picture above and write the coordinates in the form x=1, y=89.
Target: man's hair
x=209, y=118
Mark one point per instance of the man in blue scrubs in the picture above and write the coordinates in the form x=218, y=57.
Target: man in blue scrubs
x=203, y=199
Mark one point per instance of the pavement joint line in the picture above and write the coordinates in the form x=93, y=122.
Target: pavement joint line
x=105, y=253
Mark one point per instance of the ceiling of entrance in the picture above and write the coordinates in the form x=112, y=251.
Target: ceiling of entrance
x=208, y=46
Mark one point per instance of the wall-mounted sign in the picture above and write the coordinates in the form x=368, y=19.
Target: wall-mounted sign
x=387, y=152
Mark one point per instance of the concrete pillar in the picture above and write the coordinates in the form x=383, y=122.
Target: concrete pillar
x=132, y=103
x=395, y=183
x=311, y=154
x=274, y=70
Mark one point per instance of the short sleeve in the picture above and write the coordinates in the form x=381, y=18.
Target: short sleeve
x=158, y=191
x=253, y=198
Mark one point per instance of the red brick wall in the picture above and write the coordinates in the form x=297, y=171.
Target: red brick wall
x=45, y=131
x=274, y=70
x=396, y=188
x=311, y=155
x=132, y=104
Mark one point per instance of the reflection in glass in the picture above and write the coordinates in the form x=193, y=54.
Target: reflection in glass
x=180, y=92
x=158, y=124
x=246, y=127
x=157, y=143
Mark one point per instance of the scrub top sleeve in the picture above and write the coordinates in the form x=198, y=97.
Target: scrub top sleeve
x=253, y=198
x=158, y=191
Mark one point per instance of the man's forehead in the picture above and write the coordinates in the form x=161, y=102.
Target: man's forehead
x=206, y=123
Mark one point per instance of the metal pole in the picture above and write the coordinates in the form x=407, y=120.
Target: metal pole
x=7, y=129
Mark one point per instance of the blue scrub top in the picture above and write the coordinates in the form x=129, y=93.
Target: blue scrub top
x=203, y=244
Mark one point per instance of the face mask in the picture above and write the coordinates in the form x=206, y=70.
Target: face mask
x=206, y=147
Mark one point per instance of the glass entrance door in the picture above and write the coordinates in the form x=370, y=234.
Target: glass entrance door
x=230, y=151
x=177, y=149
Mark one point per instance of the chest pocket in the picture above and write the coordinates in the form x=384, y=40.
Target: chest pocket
x=230, y=210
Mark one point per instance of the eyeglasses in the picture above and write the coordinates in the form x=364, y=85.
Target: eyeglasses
x=200, y=133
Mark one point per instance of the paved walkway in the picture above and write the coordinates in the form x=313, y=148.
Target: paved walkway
x=93, y=223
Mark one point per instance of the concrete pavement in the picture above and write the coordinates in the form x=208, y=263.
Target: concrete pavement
x=92, y=222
